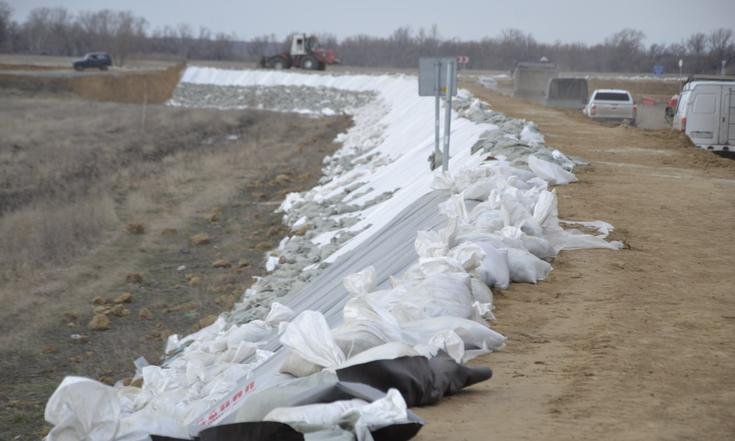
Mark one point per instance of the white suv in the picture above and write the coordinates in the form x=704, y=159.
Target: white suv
x=611, y=105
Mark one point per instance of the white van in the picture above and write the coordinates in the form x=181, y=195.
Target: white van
x=706, y=113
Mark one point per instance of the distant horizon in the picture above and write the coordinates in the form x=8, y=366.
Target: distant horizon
x=576, y=21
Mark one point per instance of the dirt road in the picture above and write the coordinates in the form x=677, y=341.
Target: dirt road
x=629, y=345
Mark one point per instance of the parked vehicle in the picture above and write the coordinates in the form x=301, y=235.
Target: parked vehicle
x=569, y=93
x=94, y=60
x=611, y=105
x=670, y=110
x=706, y=113
x=305, y=53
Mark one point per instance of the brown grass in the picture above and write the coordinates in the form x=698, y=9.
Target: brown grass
x=149, y=86
x=72, y=171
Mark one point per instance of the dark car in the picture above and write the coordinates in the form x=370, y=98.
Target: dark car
x=94, y=60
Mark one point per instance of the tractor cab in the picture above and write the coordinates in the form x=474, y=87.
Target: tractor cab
x=302, y=45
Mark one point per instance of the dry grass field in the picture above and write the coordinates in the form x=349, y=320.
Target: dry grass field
x=99, y=199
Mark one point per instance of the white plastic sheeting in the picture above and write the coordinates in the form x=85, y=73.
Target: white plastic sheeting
x=508, y=233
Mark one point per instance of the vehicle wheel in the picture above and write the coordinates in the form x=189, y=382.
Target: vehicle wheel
x=279, y=64
x=310, y=63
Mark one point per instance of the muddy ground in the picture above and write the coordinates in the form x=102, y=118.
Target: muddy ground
x=186, y=202
x=629, y=345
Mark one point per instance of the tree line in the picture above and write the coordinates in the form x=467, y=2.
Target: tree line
x=56, y=31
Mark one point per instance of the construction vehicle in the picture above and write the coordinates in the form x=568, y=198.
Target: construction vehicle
x=305, y=53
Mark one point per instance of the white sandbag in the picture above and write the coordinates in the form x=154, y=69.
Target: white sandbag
x=480, y=291
x=545, y=207
x=357, y=336
x=494, y=269
x=309, y=336
x=439, y=294
x=295, y=365
x=468, y=254
x=474, y=335
x=83, y=409
x=389, y=351
x=386, y=411
x=454, y=207
x=449, y=342
x=360, y=282
x=550, y=172
x=278, y=313
x=525, y=267
x=254, y=331
x=312, y=417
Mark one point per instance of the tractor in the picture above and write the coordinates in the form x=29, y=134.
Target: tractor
x=305, y=53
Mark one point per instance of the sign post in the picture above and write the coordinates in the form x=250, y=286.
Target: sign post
x=437, y=77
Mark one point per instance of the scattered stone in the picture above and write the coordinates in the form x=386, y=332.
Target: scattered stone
x=75, y=359
x=125, y=297
x=275, y=230
x=71, y=317
x=101, y=309
x=119, y=311
x=243, y=263
x=134, y=278
x=283, y=180
x=145, y=314
x=188, y=306
x=181, y=268
x=214, y=216
x=263, y=246
x=193, y=280
x=169, y=232
x=99, y=300
x=137, y=382
x=106, y=379
x=205, y=321
x=99, y=322
x=226, y=301
x=221, y=263
x=301, y=229
x=135, y=228
x=80, y=338
x=49, y=349
x=200, y=239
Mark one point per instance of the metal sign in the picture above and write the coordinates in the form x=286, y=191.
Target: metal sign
x=428, y=73
x=658, y=69
x=438, y=76
x=463, y=59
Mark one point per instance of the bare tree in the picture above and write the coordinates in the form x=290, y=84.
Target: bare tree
x=5, y=25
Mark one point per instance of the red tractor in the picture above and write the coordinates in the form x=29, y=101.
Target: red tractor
x=305, y=53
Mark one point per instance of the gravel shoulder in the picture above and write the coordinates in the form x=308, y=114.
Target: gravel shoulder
x=635, y=344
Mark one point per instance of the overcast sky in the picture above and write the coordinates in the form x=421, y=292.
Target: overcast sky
x=589, y=21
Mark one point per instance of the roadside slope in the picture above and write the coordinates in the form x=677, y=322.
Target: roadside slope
x=635, y=344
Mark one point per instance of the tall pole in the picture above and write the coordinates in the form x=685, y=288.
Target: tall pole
x=437, y=93
x=448, y=115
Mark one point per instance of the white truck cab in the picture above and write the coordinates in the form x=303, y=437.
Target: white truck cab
x=706, y=113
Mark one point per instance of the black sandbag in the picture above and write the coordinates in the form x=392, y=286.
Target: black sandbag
x=420, y=380
x=252, y=431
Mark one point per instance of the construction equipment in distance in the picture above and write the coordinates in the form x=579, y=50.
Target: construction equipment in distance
x=305, y=53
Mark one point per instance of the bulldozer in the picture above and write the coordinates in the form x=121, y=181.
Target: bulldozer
x=305, y=53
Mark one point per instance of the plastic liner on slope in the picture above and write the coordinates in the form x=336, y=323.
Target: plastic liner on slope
x=421, y=381
x=330, y=410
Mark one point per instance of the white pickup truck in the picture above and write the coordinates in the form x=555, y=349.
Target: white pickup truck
x=611, y=105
